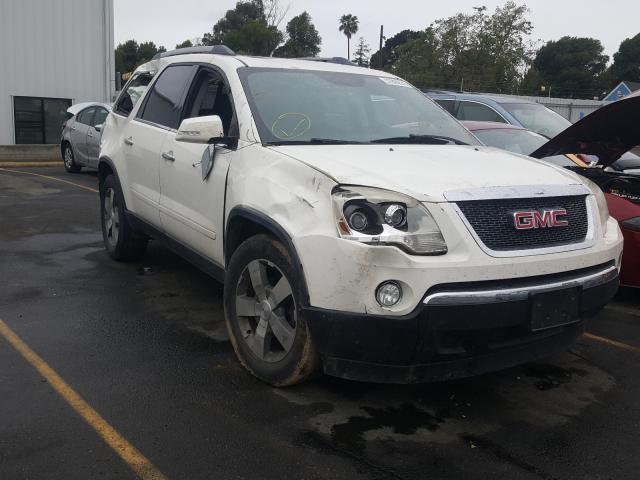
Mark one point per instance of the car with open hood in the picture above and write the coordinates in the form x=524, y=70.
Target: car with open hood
x=348, y=219
x=601, y=138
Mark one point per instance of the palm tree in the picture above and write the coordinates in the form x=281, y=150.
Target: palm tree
x=348, y=26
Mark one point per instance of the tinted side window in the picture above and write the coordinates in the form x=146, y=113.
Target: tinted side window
x=132, y=93
x=85, y=116
x=211, y=96
x=101, y=116
x=166, y=98
x=448, y=105
x=478, y=112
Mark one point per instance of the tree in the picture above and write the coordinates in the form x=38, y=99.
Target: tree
x=274, y=12
x=126, y=56
x=472, y=51
x=361, y=55
x=387, y=57
x=245, y=30
x=303, y=39
x=147, y=50
x=572, y=66
x=349, y=26
x=626, y=61
x=185, y=44
x=130, y=54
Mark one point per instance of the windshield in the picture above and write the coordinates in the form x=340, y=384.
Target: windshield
x=514, y=140
x=306, y=106
x=538, y=118
x=519, y=141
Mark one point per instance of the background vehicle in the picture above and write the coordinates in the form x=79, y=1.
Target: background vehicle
x=522, y=113
x=622, y=191
x=345, y=214
x=514, y=111
x=81, y=135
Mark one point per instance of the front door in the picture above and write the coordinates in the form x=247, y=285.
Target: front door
x=192, y=208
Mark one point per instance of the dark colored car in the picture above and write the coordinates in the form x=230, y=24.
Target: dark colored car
x=519, y=112
x=605, y=135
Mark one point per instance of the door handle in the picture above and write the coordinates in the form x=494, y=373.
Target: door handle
x=169, y=156
x=73, y=128
x=90, y=135
x=128, y=141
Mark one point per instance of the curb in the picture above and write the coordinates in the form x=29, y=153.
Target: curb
x=30, y=164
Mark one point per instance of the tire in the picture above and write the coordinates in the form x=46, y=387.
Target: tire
x=121, y=241
x=271, y=339
x=69, y=159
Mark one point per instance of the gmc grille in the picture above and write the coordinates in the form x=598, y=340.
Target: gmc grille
x=493, y=223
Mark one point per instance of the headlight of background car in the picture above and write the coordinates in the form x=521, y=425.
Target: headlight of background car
x=382, y=217
x=601, y=201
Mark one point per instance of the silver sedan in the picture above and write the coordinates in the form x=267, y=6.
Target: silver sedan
x=81, y=134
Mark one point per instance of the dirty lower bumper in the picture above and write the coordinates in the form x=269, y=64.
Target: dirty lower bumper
x=463, y=330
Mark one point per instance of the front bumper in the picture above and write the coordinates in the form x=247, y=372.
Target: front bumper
x=463, y=329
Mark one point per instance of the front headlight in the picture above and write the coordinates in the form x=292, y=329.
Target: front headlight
x=601, y=201
x=382, y=217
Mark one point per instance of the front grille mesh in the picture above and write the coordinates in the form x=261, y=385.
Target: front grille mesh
x=492, y=220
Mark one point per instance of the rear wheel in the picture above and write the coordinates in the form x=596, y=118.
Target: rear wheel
x=264, y=319
x=70, y=164
x=120, y=240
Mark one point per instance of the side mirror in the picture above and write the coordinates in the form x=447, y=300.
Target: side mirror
x=99, y=127
x=200, y=129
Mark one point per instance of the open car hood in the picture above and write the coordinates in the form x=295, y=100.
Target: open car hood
x=609, y=132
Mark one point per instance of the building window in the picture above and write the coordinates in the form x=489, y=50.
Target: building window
x=39, y=120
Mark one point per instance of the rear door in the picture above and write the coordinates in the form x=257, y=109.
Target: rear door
x=192, y=208
x=79, y=131
x=94, y=136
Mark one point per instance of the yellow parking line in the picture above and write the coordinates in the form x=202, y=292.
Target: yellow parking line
x=613, y=343
x=134, y=459
x=51, y=178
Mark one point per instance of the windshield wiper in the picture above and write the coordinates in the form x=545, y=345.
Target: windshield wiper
x=421, y=139
x=316, y=141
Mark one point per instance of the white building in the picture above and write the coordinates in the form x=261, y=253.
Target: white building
x=53, y=53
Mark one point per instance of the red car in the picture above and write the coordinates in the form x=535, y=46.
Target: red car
x=607, y=133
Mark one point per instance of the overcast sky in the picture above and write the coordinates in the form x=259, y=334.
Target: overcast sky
x=169, y=22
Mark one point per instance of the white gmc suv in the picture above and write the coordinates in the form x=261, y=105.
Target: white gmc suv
x=358, y=228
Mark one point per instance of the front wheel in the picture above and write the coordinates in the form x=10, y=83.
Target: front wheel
x=262, y=310
x=120, y=240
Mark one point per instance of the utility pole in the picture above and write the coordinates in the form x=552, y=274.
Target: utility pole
x=462, y=85
x=381, y=35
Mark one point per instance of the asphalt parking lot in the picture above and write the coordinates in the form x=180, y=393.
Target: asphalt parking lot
x=144, y=347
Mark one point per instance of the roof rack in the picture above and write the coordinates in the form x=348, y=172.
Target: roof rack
x=214, y=49
x=338, y=60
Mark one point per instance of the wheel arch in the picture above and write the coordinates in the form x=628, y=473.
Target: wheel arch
x=244, y=222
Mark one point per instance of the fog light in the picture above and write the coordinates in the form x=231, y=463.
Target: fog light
x=388, y=294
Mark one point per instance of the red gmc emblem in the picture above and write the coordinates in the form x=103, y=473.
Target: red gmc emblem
x=539, y=219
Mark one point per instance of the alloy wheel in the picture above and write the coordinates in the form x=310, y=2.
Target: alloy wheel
x=111, y=217
x=68, y=157
x=266, y=311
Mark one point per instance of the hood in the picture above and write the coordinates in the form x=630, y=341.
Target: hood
x=608, y=132
x=426, y=172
